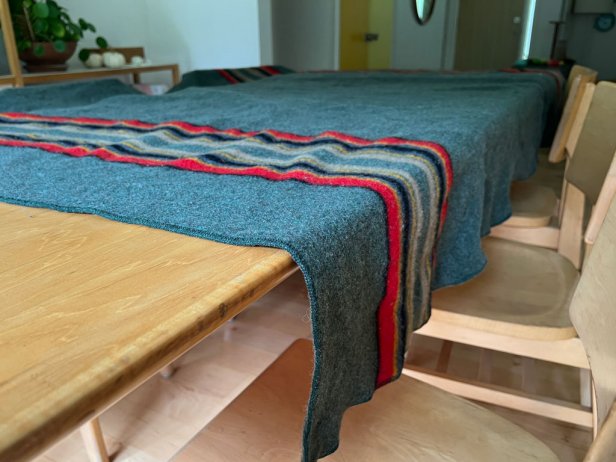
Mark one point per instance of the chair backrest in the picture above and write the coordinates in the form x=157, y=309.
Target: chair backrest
x=593, y=313
x=608, y=191
x=578, y=120
x=596, y=145
x=579, y=71
x=575, y=96
x=587, y=169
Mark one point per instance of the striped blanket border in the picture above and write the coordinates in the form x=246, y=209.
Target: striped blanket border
x=391, y=343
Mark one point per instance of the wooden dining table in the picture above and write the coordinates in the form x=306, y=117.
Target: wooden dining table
x=91, y=308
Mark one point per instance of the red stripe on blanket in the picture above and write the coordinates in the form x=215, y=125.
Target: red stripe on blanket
x=228, y=77
x=270, y=70
x=387, y=314
x=388, y=328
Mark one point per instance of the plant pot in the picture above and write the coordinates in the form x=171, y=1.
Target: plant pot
x=50, y=61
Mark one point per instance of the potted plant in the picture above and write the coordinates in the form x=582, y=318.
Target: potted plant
x=46, y=35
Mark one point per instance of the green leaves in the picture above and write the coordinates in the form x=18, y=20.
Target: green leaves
x=85, y=25
x=57, y=28
x=74, y=33
x=84, y=55
x=40, y=26
x=54, y=11
x=24, y=45
x=40, y=10
x=44, y=21
x=102, y=42
x=39, y=50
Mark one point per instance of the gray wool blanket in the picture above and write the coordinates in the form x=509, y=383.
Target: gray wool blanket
x=380, y=185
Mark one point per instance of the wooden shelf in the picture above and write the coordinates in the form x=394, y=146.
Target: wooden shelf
x=80, y=74
x=7, y=80
x=18, y=79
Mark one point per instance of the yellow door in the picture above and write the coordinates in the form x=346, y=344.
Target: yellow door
x=354, y=24
x=382, y=23
x=357, y=19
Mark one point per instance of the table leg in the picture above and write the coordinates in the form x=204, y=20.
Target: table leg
x=136, y=78
x=92, y=436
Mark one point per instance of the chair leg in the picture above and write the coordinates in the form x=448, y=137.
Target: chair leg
x=92, y=436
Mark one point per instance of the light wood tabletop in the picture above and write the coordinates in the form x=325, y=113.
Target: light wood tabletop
x=91, y=308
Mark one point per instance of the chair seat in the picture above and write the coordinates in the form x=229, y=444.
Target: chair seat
x=523, y=292
x=532, y=204
x=405, y=421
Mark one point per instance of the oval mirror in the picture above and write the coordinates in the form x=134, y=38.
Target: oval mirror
x=423, y=10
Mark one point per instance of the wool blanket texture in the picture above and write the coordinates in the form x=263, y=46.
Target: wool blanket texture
x=379, y=185
x=215, y=77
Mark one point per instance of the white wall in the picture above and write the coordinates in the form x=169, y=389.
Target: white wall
x=543, y=31
x=586, y=45
x=265, y=32
x=304, y=33
x=193, y=33
x=423, y=47
x=590, y=47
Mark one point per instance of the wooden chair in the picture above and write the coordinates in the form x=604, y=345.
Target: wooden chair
x=593, y=312
x=578, y=70
x=601, y=109
x=409, y=420
x=535, y=201
x=579, y=78
x=518, y=304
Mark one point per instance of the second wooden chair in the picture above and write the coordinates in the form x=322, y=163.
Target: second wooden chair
x=518, y=304
x=536, y=214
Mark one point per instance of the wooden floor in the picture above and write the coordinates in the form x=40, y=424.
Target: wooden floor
x=155, y=421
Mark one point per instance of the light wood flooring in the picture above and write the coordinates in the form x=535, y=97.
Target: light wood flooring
x=155, y=421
